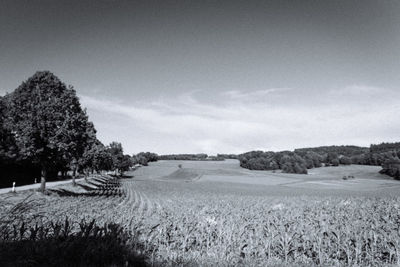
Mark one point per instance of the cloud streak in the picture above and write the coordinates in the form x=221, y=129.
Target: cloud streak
x=271, y=119
x=253, y=95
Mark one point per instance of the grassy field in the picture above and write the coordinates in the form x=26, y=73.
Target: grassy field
x=216, y=213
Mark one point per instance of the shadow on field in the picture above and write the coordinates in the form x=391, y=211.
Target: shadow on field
x=121, y=176
x=29, y=239
x=59, y=244
x=182, y=175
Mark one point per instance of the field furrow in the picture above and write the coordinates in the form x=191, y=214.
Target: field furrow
x=221, y=222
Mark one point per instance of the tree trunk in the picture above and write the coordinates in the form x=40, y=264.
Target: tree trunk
x=86, y=174
x=43, y=180
x=74, y=177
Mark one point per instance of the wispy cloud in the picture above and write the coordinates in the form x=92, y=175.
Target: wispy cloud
x=240, y=121
x=243, y=95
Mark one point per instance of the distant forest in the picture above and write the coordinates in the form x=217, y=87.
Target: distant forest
x=300, y=160
x=200, y=156
x=385, y=155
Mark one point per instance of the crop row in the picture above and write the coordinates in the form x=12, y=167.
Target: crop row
x=205, y=229
x=183, y=224
x=99, y=185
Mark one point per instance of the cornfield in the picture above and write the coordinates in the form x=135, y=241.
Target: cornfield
x=178, y=223
x=196, y=227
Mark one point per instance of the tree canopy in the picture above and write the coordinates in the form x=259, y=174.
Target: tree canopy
x=47, y=121
x=42, y=123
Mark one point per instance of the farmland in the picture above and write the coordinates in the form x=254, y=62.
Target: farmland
x=216, y=213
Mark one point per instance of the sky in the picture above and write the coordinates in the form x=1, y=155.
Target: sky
x=216, y=76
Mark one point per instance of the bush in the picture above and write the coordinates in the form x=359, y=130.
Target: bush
x=391, y=167
x=345, y=160
x=335, y=162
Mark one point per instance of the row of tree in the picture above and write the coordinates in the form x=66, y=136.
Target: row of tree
x=45, y=131
x=227, y=156
x=143, y=158
x=183, y=157
x=384, y=147
x=348, y=151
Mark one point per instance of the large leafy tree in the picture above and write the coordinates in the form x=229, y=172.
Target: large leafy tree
x=48, y=123
x=8, y=146
x=102, y=159
x=121, y=162
x=117, y=153
x=124, y=164
x=96, y=158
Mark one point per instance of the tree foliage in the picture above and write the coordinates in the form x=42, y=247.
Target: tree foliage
x=286, y=161
x=120, y=162
x=227, y=156
x=8, y=146
x=200, y=156
x=42, y=125
x=339, y=150
x=47, y=122
x=96, y=158
x=345, y=160
x=391, y=167
x=143, y=158
x=385, y=154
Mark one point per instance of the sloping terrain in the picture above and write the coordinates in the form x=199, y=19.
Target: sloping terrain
x=364, y=178
x=218, y=214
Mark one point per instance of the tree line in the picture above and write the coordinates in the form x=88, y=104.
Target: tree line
x=200, y=156
x=385, y=154
x=44, y=131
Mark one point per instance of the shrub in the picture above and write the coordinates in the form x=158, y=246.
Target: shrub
x=335, y=162
x=345, y=160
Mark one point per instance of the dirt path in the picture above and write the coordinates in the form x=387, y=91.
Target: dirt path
x=36, y=186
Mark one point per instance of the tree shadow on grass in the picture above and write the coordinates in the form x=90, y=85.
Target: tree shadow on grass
x=122, y=176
